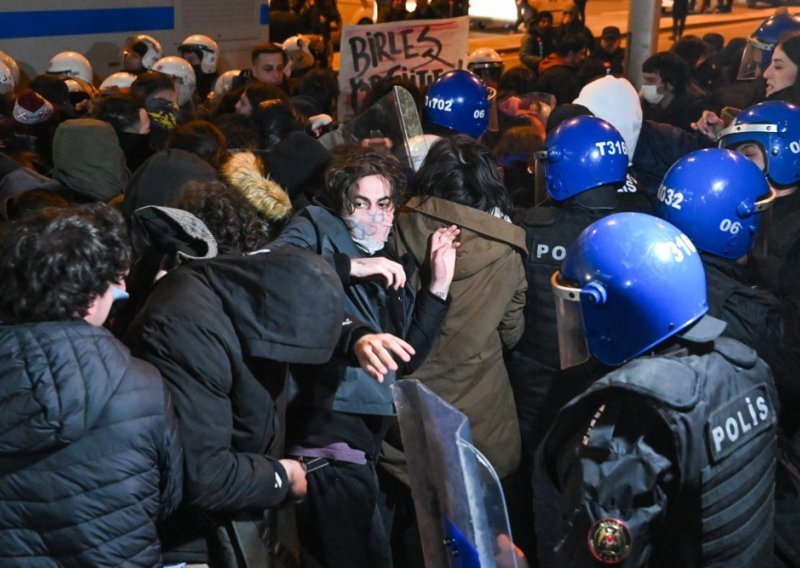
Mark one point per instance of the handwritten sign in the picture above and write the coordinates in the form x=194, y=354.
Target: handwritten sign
x=419, y=50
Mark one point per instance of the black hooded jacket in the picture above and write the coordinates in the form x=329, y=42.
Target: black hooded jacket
x=89, y=455
x=219, y=331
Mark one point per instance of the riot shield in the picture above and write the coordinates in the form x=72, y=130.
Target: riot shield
x=459, y=503
x=534, y=106
x=390, y=123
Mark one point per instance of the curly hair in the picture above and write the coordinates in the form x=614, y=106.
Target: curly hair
x=235, y=224
x=462, y=170
x=55, y=262
x=350, y=163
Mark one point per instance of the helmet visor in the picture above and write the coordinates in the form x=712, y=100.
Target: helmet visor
x=572, y=347
x=540, y=180
x=755, y=59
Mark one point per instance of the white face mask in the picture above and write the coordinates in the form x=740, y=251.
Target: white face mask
x=650, y=94
x=370, y=229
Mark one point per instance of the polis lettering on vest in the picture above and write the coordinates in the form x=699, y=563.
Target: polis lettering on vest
x=558, y=252
x=739, y=421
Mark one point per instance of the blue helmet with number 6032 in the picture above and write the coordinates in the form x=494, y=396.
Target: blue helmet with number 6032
x=629, y=282
x=459, y=100
x=582, y=153
x=775, y=127
x=716, y=197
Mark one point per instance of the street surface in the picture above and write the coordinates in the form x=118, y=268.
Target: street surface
x=741, y=22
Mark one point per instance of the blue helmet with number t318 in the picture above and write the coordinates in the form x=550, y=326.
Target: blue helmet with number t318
x=775, y=127
x=583, y=153
x=629, y=282
x=459, y=101
x=716, y=197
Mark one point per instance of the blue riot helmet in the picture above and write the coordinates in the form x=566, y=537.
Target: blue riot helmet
x=775, y=127
x=459, y=101
x=761, y=43
x=582, y=153
x=629, y=282
x=716, y=197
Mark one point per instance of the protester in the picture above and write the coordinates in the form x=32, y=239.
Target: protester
x=91, y=457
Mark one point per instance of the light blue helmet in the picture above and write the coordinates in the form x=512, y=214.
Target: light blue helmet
x=583, y=153
x=629, y=282
x=716, y=197
x=459, y=100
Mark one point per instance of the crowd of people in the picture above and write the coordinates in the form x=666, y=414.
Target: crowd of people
x=206, y=302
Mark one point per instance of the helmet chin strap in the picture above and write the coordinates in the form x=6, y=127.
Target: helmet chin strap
x=603, y=197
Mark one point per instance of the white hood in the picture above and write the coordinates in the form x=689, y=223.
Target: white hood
x=616, y=101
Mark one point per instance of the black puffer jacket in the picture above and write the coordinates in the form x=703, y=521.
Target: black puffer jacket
x=89, y=455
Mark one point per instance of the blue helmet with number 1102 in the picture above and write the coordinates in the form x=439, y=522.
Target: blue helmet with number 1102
x=716, y=197
x=629, y=282
x=459, y=101
x=583, y=153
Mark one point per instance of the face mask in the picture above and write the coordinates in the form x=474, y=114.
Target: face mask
x=118, y=293
x=651, y=95
x=369, y=229
x=162, y=113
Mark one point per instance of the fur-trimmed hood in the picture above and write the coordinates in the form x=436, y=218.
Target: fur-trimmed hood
x=245, y=172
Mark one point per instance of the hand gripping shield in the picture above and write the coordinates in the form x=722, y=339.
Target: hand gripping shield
x=391, y=124
x=457, y=495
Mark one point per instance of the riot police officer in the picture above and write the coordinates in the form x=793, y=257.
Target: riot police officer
x=202, y=53
x=769, y=134
x=717, y=197
x=669, y=459
x=584, y=163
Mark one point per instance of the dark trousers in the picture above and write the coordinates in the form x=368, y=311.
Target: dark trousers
x=339, y=523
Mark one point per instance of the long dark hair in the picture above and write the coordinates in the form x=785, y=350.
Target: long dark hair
x=460, y=169
x=790, y=45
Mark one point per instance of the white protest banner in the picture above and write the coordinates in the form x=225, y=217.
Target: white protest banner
x=418, y=50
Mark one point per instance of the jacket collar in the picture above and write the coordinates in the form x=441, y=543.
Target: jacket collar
x=469, y=218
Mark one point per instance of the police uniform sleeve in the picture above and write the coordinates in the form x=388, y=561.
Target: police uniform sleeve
x=614, y=484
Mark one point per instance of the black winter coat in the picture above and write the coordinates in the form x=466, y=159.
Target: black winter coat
x=89, y=454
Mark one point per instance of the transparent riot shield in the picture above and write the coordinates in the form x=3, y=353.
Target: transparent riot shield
x=459, y=503
x=534, y=105
x=389, y=123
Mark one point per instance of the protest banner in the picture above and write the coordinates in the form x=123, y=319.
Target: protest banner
x=417, y=50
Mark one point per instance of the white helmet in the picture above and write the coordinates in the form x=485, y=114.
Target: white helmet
x=12, y=65
x=146, y=47
x=482, y=58
x=183, y=74
x=207, y=48
x=224, y=82
x=117, y=81
x=7, y=82
x=78, y=85
x=70, y=64
x=298, y=49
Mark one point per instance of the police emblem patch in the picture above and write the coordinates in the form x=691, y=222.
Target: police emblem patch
x=610, y=541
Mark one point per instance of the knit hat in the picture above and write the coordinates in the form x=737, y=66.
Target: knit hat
x=31, y=108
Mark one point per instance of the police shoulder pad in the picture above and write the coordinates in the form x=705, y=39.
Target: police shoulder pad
x=736, y=352
x=667, y=380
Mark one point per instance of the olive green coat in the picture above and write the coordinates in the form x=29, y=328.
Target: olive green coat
x=465, y=366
